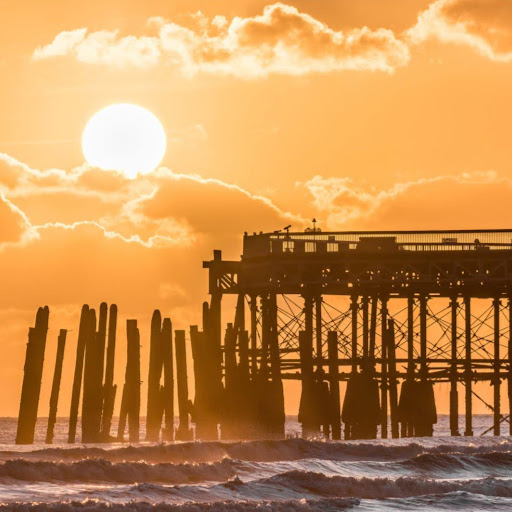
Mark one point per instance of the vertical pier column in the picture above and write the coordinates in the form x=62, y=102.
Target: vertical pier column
x=307, y=413
x=384, y=371
x=354, y=307
x=510, y=364
x=54, y=397
x=454, y=395
x=334, y=385
x=254, y=335
x=467, y=369
x=373, y=328
x=318, y=329
x=364, y=306
x=496, y=380
x=423, y=338
x=393, y=393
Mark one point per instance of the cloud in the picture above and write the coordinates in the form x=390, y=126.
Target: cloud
x=15, y=227
x=484, y=25
x=281, y=40
x=478, y=200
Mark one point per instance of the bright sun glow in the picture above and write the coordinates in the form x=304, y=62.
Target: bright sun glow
x=125, y=138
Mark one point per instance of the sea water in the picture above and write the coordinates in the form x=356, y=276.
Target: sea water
x=439, y=473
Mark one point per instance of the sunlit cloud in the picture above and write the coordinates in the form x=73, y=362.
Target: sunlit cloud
x=281, y=40
x=484, y=25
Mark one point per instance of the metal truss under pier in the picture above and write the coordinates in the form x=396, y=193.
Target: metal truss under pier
x=390, y=313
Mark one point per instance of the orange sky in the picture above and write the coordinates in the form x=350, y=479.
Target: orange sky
x=363, y=113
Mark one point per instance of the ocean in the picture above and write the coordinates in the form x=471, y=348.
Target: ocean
x=292, y=475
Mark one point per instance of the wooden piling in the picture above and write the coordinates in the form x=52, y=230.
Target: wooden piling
x=335, y=412
x=183, y=432
x=33, y=372
x=154, y=376
x=168, y=387
x=54, y=396
x=77, y=378
x=92, y=402
x=109, y=389
x=130, y=404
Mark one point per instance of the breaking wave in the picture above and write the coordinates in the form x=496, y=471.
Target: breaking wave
x=261, y=451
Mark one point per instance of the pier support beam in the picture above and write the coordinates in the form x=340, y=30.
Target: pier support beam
x=109, y=389
x=454, y=378
x=334, y=385
x=496, y=379
x=468, y=369
x=384, y=371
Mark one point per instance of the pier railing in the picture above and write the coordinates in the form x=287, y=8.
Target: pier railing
x=315, y=241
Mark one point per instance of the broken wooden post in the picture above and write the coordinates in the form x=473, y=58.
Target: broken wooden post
x=93, y=381
x=183, y=432
x=109, y=389
x=33, y=372
x=77, y=379
x=130, y=403
x=155, y=373
x=54, y=396
x=168, y=387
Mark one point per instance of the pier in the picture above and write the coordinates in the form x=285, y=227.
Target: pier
x=390, y=314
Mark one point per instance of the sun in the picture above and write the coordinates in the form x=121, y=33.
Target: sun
x=126, y=138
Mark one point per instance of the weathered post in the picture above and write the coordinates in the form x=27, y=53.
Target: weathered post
x=184, y=432
x=77, y=379
x=93, y=382
x=168, y=387
x=155, y=372
x=54, y=396
x=33, y=372
x=109, y=389
x=332, y=347
x=130, y=404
